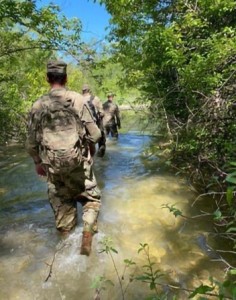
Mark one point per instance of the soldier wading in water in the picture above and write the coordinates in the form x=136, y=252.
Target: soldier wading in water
x=61, y=131
x=95, y=105
x=111, y=118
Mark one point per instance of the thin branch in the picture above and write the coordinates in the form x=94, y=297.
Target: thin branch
x=224, y=251
x=187, y=290
x=118, y=276
x=28, y=48
x=208, y=194
x=227, y=80
x=52, y=263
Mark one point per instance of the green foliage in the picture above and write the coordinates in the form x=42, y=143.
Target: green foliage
x=104, y=74
x=100, y=283
x=181, y=54
x=40, y=28
x=150, y=274
x=231, y=177
x=107, y=246
x=29, y=36
x=202, y=289
x=175, y=211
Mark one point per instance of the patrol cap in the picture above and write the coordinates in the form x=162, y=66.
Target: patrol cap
x=110, y=94
x=56, y=66
x=85, y=87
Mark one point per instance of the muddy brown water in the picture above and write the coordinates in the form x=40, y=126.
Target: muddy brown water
x=134, y=189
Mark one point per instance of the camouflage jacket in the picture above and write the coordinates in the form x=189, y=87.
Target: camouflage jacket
x=111, y=113
x=96, y=103
x=93, y=134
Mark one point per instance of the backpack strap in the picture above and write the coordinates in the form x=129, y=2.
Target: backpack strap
x=92, y=108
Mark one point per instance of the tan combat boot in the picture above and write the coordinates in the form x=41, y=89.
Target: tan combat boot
x=86, y=243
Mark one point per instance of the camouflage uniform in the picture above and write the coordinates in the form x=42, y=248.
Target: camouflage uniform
x=65, y=190
x=96, y=108
x=111, y=118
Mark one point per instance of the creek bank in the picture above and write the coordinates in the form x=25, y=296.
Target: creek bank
x=208, y=183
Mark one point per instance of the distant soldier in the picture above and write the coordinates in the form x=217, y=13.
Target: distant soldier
x=111, y=118
x=96, y=108
x=61, y=130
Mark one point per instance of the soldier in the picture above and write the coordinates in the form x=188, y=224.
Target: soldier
x=61, y=130
x=111, y=118
x=96, y=108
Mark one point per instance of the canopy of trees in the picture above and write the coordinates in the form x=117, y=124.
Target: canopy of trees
x=29, y=35
x=182, y=56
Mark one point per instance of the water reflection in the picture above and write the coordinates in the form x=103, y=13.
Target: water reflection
x=134, y=190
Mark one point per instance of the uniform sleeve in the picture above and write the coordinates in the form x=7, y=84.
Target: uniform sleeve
x=117, y=116
x=93, y=132
x=32, y=144
x=98, y=104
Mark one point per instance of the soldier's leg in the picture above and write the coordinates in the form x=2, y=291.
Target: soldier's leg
x=90, y=216
x=91, y=208
x=107, y=129
x=114, y=131
x=102, y=145
x=64, y=208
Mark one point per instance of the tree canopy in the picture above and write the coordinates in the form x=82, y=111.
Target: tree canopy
x=181, y=54
x=29, y=36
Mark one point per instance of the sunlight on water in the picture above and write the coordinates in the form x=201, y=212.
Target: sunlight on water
x=134, y=192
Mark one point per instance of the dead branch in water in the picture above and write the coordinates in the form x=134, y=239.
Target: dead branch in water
x=53, y=260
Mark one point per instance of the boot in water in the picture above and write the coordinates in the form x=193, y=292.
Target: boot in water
x=101, y=151
x=86, y=243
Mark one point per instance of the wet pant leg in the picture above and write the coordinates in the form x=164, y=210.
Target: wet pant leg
x=114, y=131
x=102, y=144
x=107, y=129
x=64, y=207
x=91, y=197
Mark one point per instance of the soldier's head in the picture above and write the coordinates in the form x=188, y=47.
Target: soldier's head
x=56, y=72
x=86, y=89
x=110, y=96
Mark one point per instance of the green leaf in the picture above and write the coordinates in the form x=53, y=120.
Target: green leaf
x=148, y=274
x=232, y=272
x=142, y=278
x=229, y=196
x=231, y=178
x=110, y=282
x=152, y=285
x=231, y=229
x=129, y=262
x=202, y=289
x=114, y=250
x=217, y=215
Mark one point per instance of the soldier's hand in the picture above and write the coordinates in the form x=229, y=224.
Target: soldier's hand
x=92, y=148
x=40, y=170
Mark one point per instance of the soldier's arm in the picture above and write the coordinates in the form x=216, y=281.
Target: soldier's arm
x=98, y=104
x=32, y=145
x=93, y=132
x=118, y=116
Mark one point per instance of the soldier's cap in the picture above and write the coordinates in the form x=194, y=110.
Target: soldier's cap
x=110, y=94
x=85, y=87
x=56, y=66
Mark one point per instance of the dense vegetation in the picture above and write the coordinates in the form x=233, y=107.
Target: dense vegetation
x=182, y=56
x=30, y=36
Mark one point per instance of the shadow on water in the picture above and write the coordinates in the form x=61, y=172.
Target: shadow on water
x=134, y=188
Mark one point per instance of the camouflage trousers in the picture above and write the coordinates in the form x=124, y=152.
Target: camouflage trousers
x=64, y=192
x=111, y=128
